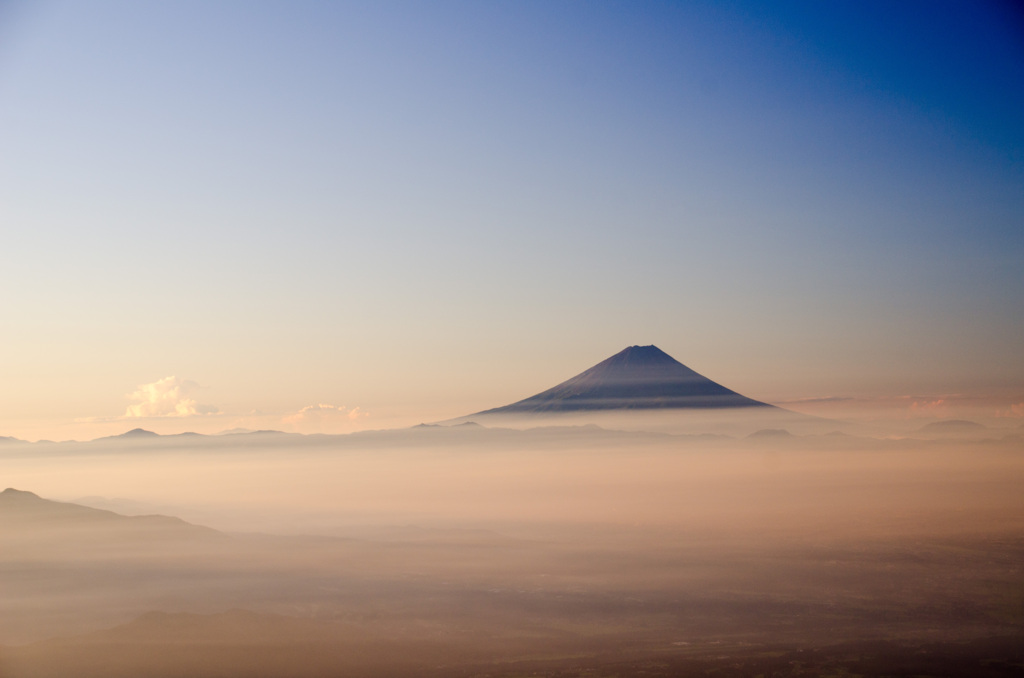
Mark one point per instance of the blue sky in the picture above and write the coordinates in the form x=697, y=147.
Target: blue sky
x=426, y=209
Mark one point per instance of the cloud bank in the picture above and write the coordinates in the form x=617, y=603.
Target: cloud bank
x=167, y=397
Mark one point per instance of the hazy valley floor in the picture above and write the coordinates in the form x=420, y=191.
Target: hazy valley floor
x=579, y=557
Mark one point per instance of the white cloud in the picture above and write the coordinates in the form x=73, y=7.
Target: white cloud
x=167, y=397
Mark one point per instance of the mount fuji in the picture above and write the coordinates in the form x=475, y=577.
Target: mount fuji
x=642, y=388
x=636, y=378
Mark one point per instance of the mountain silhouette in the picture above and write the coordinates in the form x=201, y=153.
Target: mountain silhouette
x=28, y=512
x=637, y=378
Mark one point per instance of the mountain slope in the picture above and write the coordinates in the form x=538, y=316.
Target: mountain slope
x=24, y=512
x=637, y=378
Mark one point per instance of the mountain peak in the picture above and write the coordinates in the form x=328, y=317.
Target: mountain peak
x=134, y=434
x=13, y=493
x=645, y=353
x=636, y=378
x=138, y=433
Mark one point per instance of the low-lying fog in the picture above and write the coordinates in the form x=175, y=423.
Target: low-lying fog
x=463, y=546
x=769, y=484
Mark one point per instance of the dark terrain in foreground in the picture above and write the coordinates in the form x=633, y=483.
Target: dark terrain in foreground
x=607, y=603
x=988, y=657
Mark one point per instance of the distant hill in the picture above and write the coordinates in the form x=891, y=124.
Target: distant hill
x=134, y=434
x=953, y=427
x=27, y=513
x=636, y=378
x=770, y=434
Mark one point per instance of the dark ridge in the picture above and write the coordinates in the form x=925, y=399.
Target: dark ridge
x=135, y=433
x=953, y=426
x=637, y=378
x=250, y=432
x=771, y=433
x=19, y=508
x=138, y=433
x=12, y=493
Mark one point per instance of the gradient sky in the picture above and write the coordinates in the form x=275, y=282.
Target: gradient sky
x=246, y=212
